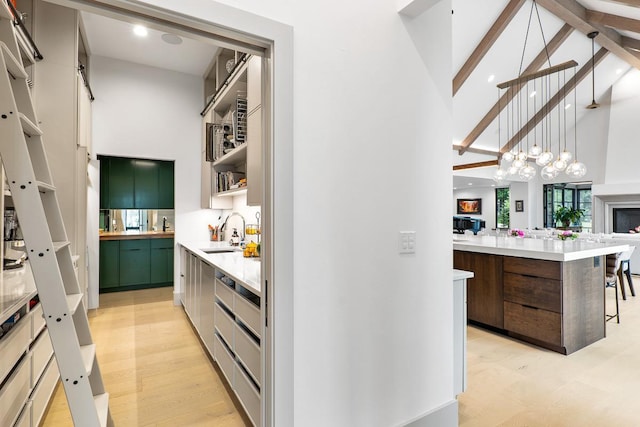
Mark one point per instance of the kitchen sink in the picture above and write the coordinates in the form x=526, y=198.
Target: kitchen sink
x=220, y=250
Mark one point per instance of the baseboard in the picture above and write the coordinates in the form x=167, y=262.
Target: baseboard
x=445, y=415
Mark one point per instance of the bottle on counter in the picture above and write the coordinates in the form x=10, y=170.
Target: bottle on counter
x=235, y=238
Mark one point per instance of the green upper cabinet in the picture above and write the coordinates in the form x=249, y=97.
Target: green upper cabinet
x=146, y=184
x=121, y=183
x=165, y=185
x=136, y=183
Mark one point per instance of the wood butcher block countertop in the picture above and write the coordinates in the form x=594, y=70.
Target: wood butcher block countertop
x=132, y=235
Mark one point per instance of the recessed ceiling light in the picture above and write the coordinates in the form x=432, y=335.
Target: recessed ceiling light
x=455, y=188
x=471, y=183
x=619, y=70
x=140, y=31
x=493, y=185
x=566, y=107
x=171, y=39
x=532, y=94
x=491, y=78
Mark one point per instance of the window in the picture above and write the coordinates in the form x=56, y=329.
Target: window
x=502, y=207
x=569, y=195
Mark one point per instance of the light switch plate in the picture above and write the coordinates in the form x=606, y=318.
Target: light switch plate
x=407, y=242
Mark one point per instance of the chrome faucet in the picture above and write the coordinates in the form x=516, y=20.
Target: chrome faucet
x=243, y=224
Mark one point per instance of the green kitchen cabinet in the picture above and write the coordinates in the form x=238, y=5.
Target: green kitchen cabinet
x=121, y=183
x=145, y=190
x=109, y=263
x=104, y=184
x=165, y=185
x=134, y=262
x=161, y=260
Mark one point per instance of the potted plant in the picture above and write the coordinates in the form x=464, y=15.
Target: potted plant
x=567, y=216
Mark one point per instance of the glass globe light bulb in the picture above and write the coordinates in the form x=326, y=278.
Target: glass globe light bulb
x=576, y=169
x=544, y=158
x=521, y=156
x=566, y=156
x=500, y=175
x=548, y=172
x=535, y=151
x=513, y=170
x=527, y=172
x=508, y=156
x=559, y=164
x=518, y=163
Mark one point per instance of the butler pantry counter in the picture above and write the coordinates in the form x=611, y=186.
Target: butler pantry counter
x=546, y=292
x=221, y=294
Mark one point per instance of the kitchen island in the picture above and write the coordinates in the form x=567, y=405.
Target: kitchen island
x=546, y=292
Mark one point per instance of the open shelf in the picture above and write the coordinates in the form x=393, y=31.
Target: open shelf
x=234, y=192
x=238, y=155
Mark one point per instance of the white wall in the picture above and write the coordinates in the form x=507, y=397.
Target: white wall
x=146, y=112
x=371, y=114
x=488, y=196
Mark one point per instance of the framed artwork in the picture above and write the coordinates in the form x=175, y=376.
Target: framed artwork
x=470, y=206
x=519, y=205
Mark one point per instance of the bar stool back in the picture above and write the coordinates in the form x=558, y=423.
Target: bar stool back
x=611, y=281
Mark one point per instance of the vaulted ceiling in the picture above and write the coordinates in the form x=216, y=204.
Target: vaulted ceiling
x=489, y=47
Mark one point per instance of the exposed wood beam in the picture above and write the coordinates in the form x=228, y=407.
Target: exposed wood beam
x=528, y=77
x=479, y=151
x=476, y=165
x=535, y=65
x=613, y=21
x=554, y=101
x=633, y=3
x=630, y=43
x=485, y=44
x=573, y=13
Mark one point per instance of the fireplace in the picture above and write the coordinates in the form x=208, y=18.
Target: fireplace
x=625, y=219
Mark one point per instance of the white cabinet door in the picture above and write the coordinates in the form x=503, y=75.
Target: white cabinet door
x=207, y=299
x=254, y=158
x=254, y=83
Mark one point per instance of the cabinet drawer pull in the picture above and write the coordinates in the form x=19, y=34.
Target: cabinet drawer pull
x=134, y=249
x=530, y=306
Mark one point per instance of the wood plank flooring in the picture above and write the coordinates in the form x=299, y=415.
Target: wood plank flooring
x=153, y=366
x=515, y=384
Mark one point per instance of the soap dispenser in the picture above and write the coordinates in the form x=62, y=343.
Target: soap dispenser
x=235, y=238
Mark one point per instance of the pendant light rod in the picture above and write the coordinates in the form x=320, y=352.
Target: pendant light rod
x=531, y=76
x=592, y=35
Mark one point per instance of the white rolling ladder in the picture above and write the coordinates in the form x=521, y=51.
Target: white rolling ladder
x=36, y=203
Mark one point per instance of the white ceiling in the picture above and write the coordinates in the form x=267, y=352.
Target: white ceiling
x=115, y=39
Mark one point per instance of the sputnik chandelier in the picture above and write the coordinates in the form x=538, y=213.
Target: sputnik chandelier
x=530, y=132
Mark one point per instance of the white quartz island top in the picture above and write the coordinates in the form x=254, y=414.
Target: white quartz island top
x=546, y=249
x=16, y=288
x=234, y=264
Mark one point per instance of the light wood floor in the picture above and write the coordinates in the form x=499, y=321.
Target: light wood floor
x=153, y=366
x=514, y=384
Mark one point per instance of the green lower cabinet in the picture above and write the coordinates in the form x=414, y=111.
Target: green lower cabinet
x=161, y=260
x=109, y=264
x=134, y=262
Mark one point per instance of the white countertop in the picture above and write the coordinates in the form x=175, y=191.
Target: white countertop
x=234, y=264
x=461, y=274
x=17, y=287
x=547, y=249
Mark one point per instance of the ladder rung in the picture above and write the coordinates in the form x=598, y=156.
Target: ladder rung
x=88, y=355
x=59, y=245
x=28, y=126
x=27, y=52
x=13, y=66
x=102, y=407
x=73, y=301
x=43, y=187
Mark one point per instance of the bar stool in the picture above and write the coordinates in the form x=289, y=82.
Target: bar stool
x=625, y=269
x=611, y=281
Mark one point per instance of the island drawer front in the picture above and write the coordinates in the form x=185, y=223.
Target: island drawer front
x=42, y=351
x=534, y=291
x=224, y=294
x=533, y=322
x=248, y=352
x=224, y=359
x=248, y=395
x=224, y=324
x=15, y=392
x=248, y=313
x=13, y=345
x=43, y=391
x=37, y=319
x=533, y=267
x=25, y=417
